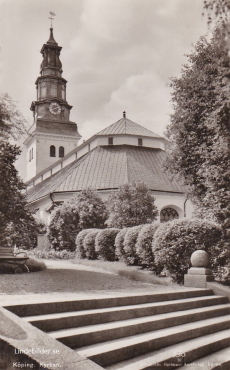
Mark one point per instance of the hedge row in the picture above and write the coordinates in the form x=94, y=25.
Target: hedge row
x=157, y=247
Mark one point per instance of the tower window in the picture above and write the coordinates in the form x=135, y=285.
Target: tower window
x=52, y=151
x=63, y=92
x=43, y=90
x=53, y=89
x=32, y=153
x=140, y=141
x=110, y=140
x=61, y=151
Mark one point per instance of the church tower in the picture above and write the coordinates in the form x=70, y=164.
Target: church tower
x=52, y=134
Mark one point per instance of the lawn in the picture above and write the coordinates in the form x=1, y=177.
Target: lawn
x=75, y=276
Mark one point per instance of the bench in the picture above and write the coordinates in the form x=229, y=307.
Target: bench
x=19, y=259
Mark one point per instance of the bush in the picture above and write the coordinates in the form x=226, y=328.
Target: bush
x=131, y=257
x=51, y=254
x=144, y=246
x=132, y=205
x=105, y=244
x=64, y=226
x=24, y=235
x=80, y=250
x=86, y=210
x=119, y=245
x=175, y=241
x=89, y=244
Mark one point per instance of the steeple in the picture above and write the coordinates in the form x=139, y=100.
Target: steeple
x=51, y=39
x=51, y=111
x=51, y=64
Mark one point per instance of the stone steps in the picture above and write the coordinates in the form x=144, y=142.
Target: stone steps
x=64, y=320
x=70, y=305
x=119, y=350
x=219, y=360
x=187, y=352
x=92, y=334
x=137, y=332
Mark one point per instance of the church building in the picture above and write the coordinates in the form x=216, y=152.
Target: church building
x=58, y=168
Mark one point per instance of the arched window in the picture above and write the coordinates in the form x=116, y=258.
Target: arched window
x=61, y=151
x=168, y=214
x=52, y=151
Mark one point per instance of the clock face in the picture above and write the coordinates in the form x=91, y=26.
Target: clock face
x=55, y=108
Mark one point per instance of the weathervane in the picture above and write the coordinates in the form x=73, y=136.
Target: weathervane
x=52, y=14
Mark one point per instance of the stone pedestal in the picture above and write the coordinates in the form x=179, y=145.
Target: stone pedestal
x=199, y=274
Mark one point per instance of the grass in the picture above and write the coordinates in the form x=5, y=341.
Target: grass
x=130, y=272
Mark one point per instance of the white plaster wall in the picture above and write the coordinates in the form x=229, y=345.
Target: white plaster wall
x=43, y=151
x=47, y=174
x=128, y=140
x=69, y=160
x=31, y=165
x=162, y=200
x=56, y=168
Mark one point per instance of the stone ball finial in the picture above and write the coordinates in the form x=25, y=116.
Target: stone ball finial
x=200, y=258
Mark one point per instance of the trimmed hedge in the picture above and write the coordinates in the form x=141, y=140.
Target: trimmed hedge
x=144, y=246
x=175, y=241
x=119, y=244
x=105, y=244
x=80, y=251
x=131, y=257
x=89, y=244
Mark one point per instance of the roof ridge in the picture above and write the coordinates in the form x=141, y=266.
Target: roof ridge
x=126, y=126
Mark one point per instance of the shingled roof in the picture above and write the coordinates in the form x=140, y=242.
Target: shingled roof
x=127, y=127
x=108, y=167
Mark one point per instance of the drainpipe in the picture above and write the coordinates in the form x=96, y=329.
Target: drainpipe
x=187, y=197
x=51, y=200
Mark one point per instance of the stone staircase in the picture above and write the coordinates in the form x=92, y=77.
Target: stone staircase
x=164, y=330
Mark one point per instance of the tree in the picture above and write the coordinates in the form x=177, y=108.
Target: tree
x=12, y=122
x=85, y=211
x=17, y=224
x=131, y=205
x=200, y=129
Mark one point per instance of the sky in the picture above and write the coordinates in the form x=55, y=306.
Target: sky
x=117, y=55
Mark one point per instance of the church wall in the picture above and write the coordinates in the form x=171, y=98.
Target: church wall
x=128, y=140
x=31, y=162
x=43, y=148
x=162, y=200
x=69, y=160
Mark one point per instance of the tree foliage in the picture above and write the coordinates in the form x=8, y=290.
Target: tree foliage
x=200, y=128
x=12, y=122
x=131, y=205
x=85, y=211
x=17, y=224
x=220, y=9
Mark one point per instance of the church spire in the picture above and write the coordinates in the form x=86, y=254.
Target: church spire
x=51, y=63
x=51, y=40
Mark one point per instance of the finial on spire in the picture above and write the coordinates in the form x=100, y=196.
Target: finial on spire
x=52, y=14
x=124, y=114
